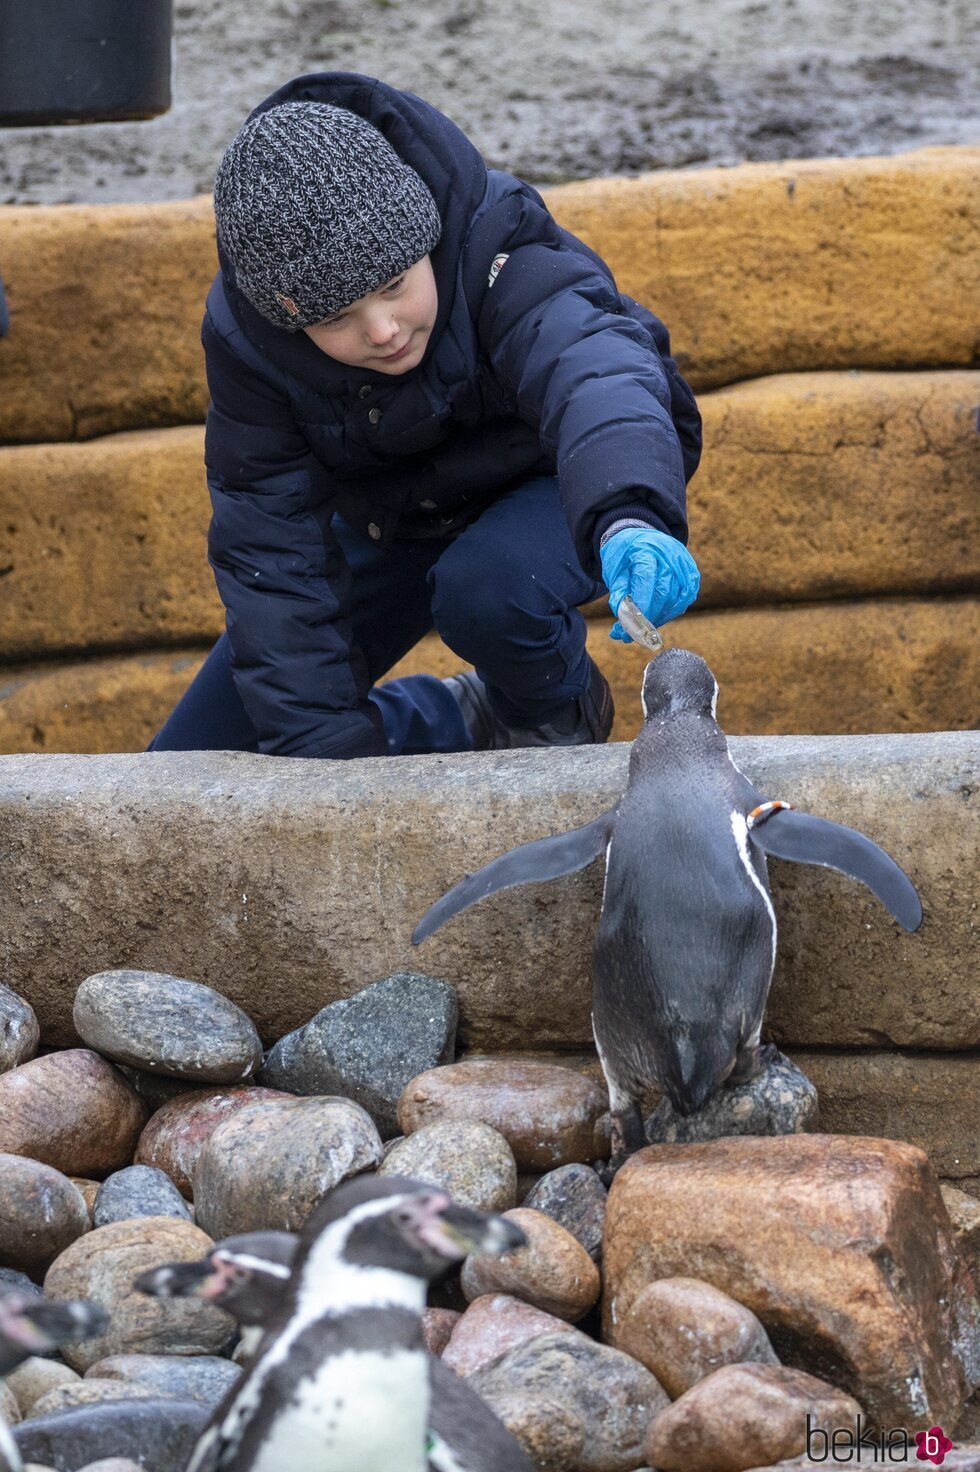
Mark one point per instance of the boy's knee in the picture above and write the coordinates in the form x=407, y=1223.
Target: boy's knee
x=467, y=606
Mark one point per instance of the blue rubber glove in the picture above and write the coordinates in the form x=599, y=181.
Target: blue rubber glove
x=656, y=570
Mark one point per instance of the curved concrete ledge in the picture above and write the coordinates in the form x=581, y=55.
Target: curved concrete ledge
x=103, y=544
x=782, y=670
x=288, y=883
x=763, y=268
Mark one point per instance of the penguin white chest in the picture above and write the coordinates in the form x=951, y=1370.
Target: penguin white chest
x=362, y=1409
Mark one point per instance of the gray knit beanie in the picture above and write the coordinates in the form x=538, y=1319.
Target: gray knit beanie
x=315, y=209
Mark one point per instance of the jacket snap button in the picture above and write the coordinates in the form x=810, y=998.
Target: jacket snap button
x=364, y=392
x=374, y=416
x=428, y=505
x=374, y=531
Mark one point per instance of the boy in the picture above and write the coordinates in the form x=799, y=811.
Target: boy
x=430, y=407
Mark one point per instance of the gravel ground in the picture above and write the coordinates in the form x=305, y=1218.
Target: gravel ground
x=550, y=89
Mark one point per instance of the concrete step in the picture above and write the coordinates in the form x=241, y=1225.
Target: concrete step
x=763, y=268
x=287, y=884
x=791, y=669
x=103, y=544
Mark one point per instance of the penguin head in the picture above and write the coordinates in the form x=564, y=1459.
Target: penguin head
x=678, y=680
x=38, y=1326
x=404, y=1226
x=246, y=1275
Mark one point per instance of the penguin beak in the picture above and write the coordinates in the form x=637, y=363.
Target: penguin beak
x=40, y=1326
x=477, y=1231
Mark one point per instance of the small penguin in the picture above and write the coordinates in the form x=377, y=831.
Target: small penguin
x=686, y=943
x=342, y=1379
x=30, y=1325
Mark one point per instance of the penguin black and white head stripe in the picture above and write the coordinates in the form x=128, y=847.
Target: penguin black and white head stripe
x=30, y=1326
x=342, y=1379
x=686, y=942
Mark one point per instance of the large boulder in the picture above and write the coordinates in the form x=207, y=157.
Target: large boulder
x=842, y=1247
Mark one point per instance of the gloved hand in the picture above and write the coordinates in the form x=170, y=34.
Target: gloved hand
x=654, y=569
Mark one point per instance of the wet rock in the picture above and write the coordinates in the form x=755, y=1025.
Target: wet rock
x=40, y=1213
x=159, y=1435
x=71, y=1110
x=547, y=1114
x=473, y=1162
x=35, y=1377
x=13, y=1281
x=19, y=1031
x=964, y=1213
x=202, y=1377
x=367, y=1047
x=103, y=1264
x=89, y=1189
x=164, y=1024
x=744, y=1415
x=840, y=1245
x=494, y=1324
x=683, y=1329
x=177, y=1133
x=778, y=1101
x=575, y=1198
x=138, y=1190
x=553, y=1272
x=573, y=1403
x=437, y=1327
x=87, y=1392
x=270, y=1163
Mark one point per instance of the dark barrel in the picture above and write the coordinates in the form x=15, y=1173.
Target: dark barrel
x=83, y=61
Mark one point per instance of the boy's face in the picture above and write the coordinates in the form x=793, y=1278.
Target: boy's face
x=386, y=331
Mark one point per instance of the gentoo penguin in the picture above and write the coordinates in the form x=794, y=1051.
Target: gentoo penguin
x=686, y=942
x=342, y=1379
x=30, y=1325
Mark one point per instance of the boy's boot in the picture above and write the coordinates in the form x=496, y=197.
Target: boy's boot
x=584, y=721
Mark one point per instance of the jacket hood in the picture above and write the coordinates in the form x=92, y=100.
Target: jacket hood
x=432, y=145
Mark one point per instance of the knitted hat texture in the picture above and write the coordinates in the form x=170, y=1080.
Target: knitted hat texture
x=315, y=209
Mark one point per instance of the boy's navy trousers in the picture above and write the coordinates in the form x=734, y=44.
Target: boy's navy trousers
x=503, y=595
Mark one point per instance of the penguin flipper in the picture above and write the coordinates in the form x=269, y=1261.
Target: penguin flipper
x=544, y=858
x=787, y=834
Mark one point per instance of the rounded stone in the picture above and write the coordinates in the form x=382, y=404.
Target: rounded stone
x=9, y=1407
x=137, y=1190
x=177, y=1133
x=437, y=1327
x=87, y=1392
x=35, y=1377
x=103, y=1264
x=89, y=1189
x=547, y=1114
x=202, y=1377
x=548, y=1388
x=494, y=1324
x=167, y=1025
x=270, y=1164
x=19, y=1030
x=575, y=1198
x=41, y=1212
x=745, y=1416
x=157, y=1433
x=779, y=1100
x=683, y=1329
x=553, y=1272
x=71, y=1110
x=471, y=1160
x=14, y=1281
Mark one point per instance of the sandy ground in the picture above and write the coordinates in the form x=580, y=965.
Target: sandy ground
x=551, y=89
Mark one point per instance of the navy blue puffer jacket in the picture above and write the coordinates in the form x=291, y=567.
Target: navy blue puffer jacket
x=549, y=370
